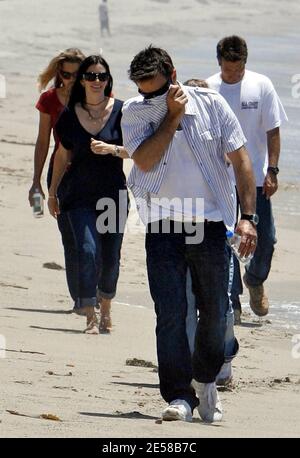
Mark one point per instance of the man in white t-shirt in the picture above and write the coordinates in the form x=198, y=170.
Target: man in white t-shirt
x=256, y=104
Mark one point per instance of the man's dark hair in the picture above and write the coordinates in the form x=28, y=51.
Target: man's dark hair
x=232, y=49
x=150, y=62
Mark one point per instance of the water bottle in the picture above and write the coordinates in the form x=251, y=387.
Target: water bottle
x=38, y=204
x=234, y=240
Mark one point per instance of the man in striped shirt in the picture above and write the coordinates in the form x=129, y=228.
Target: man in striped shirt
x=178, y=138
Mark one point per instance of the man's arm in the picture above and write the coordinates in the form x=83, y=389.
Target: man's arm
x=150, y=152
x=245, y=182
x=271, y=184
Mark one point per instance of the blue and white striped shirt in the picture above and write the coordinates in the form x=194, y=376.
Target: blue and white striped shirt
x=211, y=129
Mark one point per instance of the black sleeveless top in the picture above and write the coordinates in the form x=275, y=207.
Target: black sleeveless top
x=90, y=176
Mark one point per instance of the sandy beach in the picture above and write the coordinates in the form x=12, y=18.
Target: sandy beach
x=87, y=382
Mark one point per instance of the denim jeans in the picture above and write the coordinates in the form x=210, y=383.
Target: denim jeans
x=191, y=314
x=258, y=269
x=168, y=258
x=68, y=240
x=231, y=346
x=97, y=256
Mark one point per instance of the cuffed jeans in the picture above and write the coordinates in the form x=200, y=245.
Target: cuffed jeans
x=258, y=269
x=92, y=259
x=168, y=258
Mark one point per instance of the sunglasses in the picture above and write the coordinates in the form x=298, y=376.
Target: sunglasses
x=67, y=75
x=91, y=76
x=160, y=91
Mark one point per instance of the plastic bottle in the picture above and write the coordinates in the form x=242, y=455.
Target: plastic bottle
x=38, y=204
x=234, y=240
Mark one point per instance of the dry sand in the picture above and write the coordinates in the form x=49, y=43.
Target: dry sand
x=50, y=366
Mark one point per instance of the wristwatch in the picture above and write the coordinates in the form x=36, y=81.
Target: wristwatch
x=274, y=170
x=254, y=219
x=117, y=151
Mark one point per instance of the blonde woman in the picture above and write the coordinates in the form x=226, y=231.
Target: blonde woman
x=61, y=72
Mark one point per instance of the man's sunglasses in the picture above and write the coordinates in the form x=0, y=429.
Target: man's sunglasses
x=91, y=76
x=67, y=75
x=162, y=90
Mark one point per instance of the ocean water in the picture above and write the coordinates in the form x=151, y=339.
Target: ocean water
x=282, y=314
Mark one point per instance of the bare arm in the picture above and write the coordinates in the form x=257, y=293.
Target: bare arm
x=245, y=182
x=40, y=154
x=61, y=161
x=150, y=152
x=102, y=148
x=271, y=184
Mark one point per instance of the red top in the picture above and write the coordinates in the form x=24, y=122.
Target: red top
x=49, y=103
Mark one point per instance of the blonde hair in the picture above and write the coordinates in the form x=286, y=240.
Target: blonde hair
x=71, y=55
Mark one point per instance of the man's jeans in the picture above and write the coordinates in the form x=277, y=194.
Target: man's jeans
x=168, y=258
x=92, y=259
x=258, y=269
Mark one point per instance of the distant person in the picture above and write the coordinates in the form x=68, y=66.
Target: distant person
x=90, y=136
x=256, y=104
x=104, y=18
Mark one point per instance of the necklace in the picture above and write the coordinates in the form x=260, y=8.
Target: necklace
x=96, y=118
x=95, y=104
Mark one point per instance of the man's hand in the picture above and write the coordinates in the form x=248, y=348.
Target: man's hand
x=270, y=185
x=176, y=101
x=248, y=234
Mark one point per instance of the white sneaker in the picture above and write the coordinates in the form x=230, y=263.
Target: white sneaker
x=224, y=377
x=178, y=410
x=209, y=408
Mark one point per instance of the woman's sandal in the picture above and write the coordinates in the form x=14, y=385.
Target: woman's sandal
x=91, y=322
x=105, y=323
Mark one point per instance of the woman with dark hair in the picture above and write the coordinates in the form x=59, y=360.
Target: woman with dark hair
x=61, y=72
x=91, y=140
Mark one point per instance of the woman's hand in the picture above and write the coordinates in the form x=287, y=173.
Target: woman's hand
x=32, y=191
x=53, y=206
x=102, y=148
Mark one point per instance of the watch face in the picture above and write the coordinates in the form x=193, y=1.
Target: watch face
x=252, y=218
x=274, y=170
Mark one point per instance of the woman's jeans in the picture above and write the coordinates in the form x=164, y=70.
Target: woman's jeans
x=92, y=259
x=168, y=257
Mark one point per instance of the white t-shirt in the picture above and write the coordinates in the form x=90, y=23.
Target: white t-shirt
x=184, y=187
x=258, y=109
